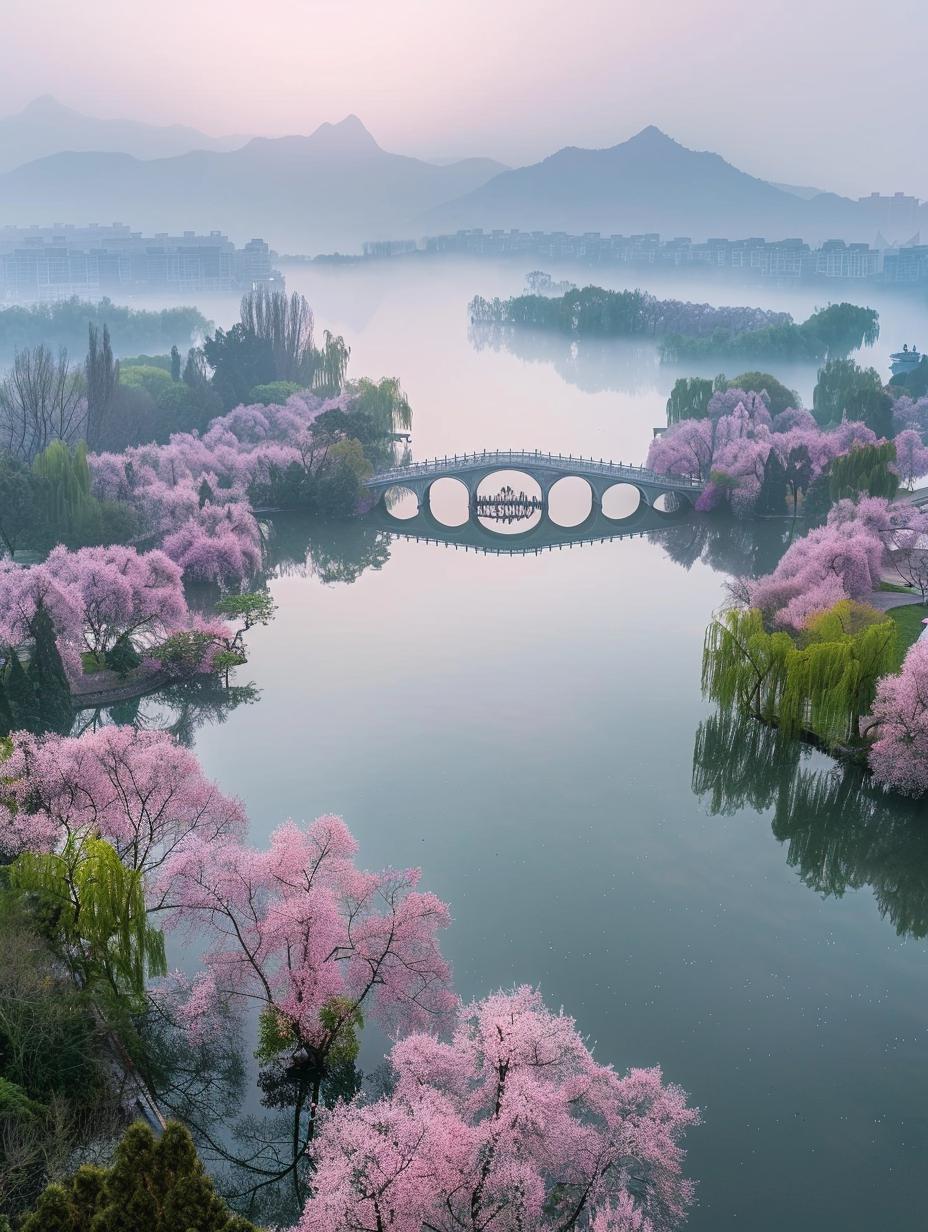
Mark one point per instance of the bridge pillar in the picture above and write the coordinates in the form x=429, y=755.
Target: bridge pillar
x=472, y=483
x=545, y=484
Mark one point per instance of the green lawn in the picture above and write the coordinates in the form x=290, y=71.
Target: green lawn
x=909, y=624
x=895, y=588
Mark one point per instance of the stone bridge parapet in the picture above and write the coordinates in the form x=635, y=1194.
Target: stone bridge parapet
x=546, y=469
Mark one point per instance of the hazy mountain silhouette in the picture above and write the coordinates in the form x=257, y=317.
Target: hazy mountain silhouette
x=648, y=183
x=331, y=189
x=46, y=127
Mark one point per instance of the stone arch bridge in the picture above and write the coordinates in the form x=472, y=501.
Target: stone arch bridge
x=546, y=469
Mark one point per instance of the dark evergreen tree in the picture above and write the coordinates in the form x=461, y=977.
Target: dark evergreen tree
x=154, y=1185
x=54, y=1213
x=175, y=364
x=52, y=692
x=818, y=498
x=21, y=695
x=798, y=472
x=122, y=657
x=101, y=372
x=772, y=496
x=6, y=720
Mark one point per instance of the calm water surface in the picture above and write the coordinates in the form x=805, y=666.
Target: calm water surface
x=524, y=729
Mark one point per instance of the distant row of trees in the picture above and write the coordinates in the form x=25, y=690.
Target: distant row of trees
x=64, y=324
x=833, y=331
x=596, y=312
x=688, y=330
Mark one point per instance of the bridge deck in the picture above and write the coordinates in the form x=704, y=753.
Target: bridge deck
x=513, y=459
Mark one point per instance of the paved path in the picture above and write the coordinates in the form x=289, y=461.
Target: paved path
x=885, y=600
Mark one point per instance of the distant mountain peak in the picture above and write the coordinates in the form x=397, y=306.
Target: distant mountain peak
x=346, y=136
x=652, y=133
x=45, y=105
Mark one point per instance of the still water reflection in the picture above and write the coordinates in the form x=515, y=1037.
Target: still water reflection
x=528, y=728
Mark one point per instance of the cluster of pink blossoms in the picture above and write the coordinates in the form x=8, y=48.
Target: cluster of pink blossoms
x=509, y=1125
x=729, y=449
x=140, y=790
x=898, y=726
x=95, y=596
x=844, y=559
x=193, y=492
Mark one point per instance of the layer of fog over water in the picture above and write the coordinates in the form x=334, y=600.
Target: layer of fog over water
x=523, y=727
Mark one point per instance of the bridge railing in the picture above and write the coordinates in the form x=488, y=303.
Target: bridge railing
x=433, y=466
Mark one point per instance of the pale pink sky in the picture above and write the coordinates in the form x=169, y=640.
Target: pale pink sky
x=821, y=92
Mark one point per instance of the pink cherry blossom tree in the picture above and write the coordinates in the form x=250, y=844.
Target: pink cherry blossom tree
x=511, y=1125
x=140, y=790
x=22, y=590
x=898, y=726
x=220, y=543
x=316, y=944
x=123, y=594
x=684, y=449
x=911, y=457
x=841, y=560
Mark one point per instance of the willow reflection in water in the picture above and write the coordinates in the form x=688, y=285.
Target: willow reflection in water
x=841, y=832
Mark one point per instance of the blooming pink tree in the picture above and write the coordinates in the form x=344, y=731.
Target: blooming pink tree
x=841, y=560
x=512, y=1125
x=22, y=590
x=316, y=943
x=684, y=449
x=218, y=544
x=142, y=791
x=898, y=726
x=123, y=593
x=911, y=457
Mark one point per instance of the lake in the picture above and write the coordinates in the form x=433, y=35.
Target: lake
x=524, y=726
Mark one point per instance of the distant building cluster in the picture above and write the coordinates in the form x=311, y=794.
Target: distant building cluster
x=44, y=264
x=782, y=259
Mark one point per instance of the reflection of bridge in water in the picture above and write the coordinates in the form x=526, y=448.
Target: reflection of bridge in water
x=544, y=536
x=547, y=469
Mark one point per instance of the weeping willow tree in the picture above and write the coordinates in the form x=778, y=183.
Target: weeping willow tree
x=71, y=510
x=385, y=403
x=819, y=683
x=330, y=365
x=848, y=648
x=744, y=667
x=866, y=470
x=95, y=907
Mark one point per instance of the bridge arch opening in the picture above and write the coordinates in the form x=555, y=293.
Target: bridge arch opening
x=449, y=501
x=570, y=501
x=621, y=501
x=670, y=503
x=508, y=502
x=401, y=503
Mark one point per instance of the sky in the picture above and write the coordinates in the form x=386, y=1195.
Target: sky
x=826, y=93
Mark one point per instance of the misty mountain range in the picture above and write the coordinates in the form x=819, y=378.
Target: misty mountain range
x=46, y=126
x=337, y=187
